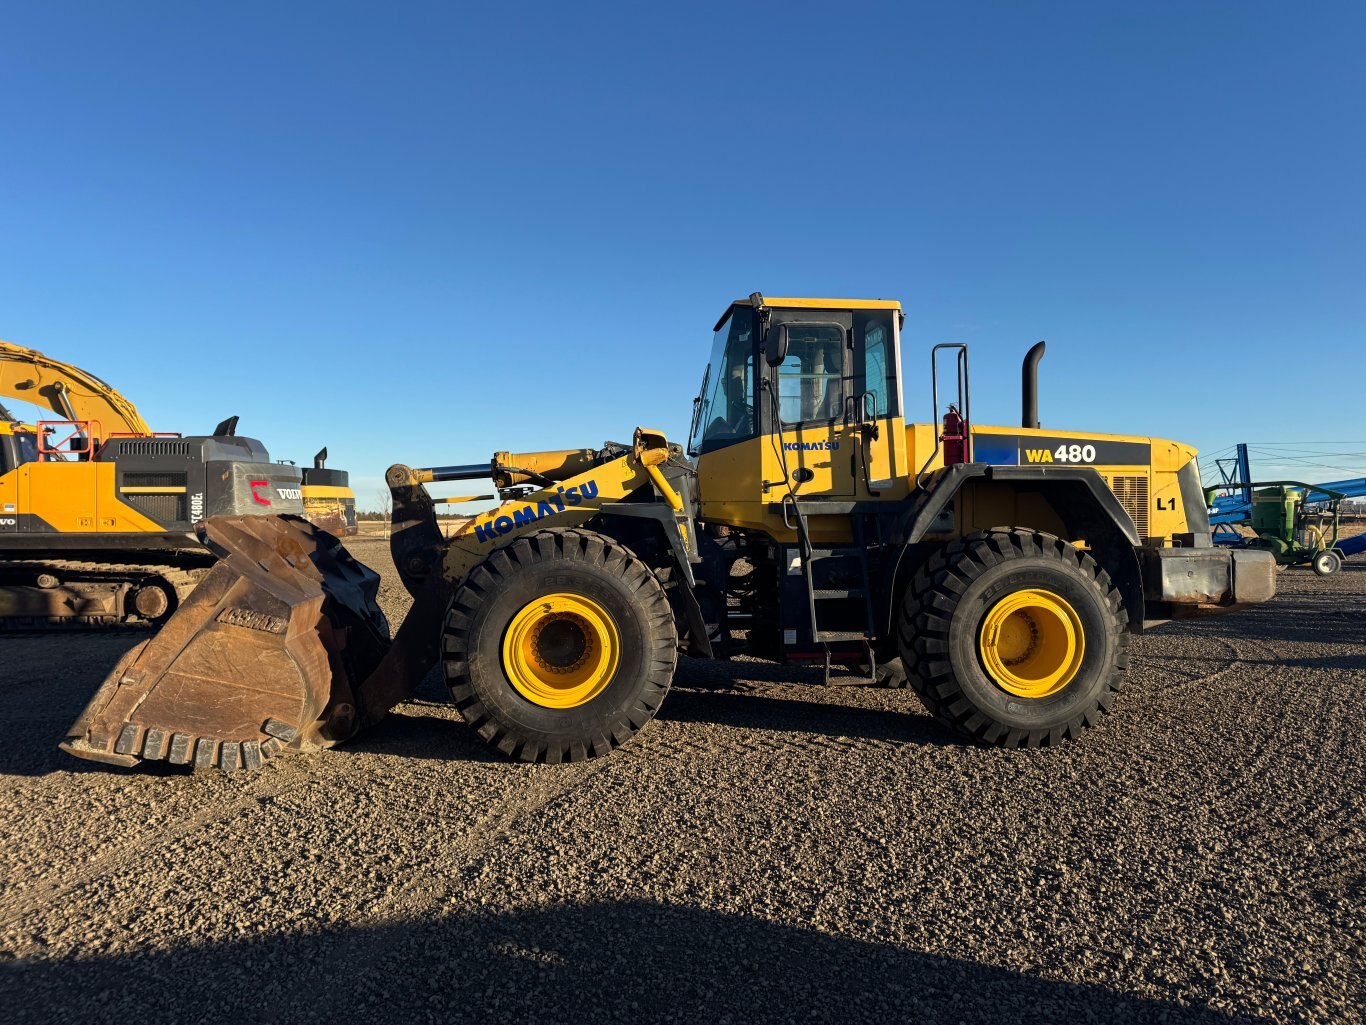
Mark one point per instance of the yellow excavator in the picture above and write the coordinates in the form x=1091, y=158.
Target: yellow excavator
x=998, y=570
x=97, y=511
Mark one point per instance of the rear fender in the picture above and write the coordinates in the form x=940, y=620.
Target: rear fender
x=1082, y=505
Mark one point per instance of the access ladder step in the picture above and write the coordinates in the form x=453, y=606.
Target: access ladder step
x=839, y=592
x=842, y=635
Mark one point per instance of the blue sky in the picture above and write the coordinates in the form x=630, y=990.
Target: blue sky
x=422, y=232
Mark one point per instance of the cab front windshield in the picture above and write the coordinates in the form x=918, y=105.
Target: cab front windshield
x=724, y=408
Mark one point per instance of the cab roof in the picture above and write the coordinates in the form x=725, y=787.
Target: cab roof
x=787, y=303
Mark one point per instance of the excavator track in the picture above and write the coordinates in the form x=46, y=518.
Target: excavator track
x=42, y=595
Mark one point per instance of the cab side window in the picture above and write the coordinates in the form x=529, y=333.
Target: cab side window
x=732, y=415
x=26, y=448
x=875, y=369
x=876, y=378
x=16, y=450
x=811, y=380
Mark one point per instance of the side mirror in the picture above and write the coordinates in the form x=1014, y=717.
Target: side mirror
x=775, y=345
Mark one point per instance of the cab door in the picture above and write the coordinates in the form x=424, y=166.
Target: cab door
x=810, y=429
x=59, y=496
x=9, y=485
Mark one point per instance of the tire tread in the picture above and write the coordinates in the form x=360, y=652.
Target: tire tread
x=571, y=545
x=924, y=624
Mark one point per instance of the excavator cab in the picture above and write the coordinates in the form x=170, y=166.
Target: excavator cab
x=18, y=445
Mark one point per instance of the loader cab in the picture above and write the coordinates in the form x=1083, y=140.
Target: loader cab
x=800, y=398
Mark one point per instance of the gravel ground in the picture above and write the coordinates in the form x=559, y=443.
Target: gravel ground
x=767, y=850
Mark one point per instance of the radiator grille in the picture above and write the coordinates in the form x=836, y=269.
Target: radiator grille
x=1132, y=493
x=147, y=479
x=155, y=448
x=162, y=508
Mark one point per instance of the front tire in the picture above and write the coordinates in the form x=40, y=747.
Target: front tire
x=559, y=647
x=1014, y=638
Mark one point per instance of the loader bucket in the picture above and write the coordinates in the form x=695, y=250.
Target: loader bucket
x=267, y=653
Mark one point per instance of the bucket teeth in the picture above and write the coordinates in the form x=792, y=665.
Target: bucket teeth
x=281, y=730
x=154, y=745
x=204, y=753
x=181, y=744
x=134, y=744
x=127, y=742
x=229, y=755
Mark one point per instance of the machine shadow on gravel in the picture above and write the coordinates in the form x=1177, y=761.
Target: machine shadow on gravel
x=46, y=680
x=716, y=697
x=607, y=962
x=813, y=718
x=422, y=737
x=1320, y=621
x=715, y=692
x=1291, y=617
x=1326, y=663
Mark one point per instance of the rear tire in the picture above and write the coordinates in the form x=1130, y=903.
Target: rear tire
x=1014, y=638
x=559, y=647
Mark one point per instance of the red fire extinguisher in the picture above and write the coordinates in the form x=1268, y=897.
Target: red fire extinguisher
x=955, y=438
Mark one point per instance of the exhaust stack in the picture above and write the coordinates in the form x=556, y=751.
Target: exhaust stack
x=1029, y=387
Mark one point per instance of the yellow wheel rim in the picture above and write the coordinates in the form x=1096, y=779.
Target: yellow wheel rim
x=561, y=650
x=1032, y=643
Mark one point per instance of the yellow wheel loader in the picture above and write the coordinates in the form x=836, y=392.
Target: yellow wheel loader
x=998, y=570
x=97, y=511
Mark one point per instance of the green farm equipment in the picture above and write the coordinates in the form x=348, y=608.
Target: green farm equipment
x=1296, y=531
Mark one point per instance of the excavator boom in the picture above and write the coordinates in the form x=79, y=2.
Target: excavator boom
x=70, y=392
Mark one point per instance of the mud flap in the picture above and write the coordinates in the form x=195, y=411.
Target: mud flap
x=268, y=653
